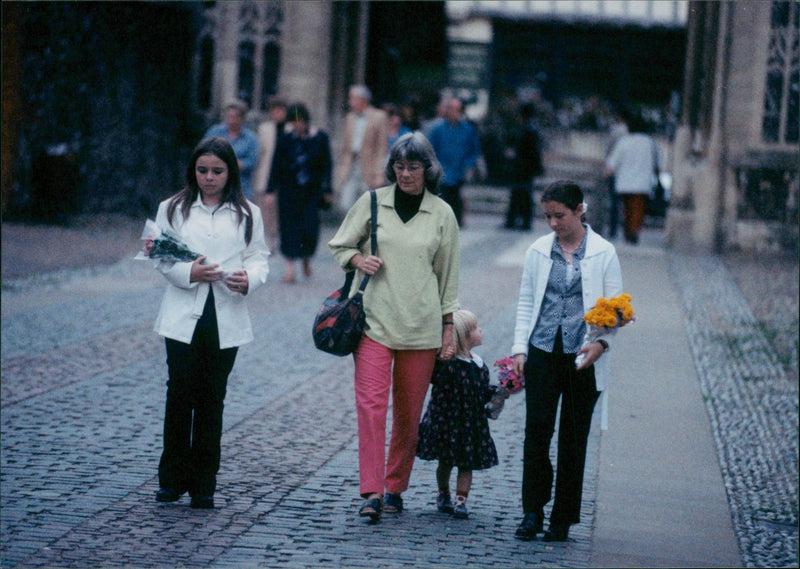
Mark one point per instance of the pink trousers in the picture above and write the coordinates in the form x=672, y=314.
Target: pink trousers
x=408, y=380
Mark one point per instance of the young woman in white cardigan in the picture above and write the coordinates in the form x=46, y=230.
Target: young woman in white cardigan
x=203, y=314
x=564, y=274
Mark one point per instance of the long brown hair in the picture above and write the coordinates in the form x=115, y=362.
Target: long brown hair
x=231, y=193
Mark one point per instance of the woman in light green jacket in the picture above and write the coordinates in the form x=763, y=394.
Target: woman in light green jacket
x=409, y=302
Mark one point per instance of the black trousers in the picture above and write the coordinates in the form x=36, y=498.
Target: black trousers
x=520, y=207
x=548, y=377
x=198, y=379
x=452, y=195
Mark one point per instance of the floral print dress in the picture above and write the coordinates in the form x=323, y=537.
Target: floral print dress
x=455, y=427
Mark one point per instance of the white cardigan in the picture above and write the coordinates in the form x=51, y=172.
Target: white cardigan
x=601, y=276
x=220, y=238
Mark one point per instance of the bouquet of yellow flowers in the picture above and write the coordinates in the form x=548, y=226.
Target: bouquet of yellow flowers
x=606, y=315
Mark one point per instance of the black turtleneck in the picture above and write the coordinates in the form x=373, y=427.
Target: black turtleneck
x=407, y=205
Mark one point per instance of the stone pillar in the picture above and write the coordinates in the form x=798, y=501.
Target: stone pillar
x=306, y=58
x=226, y=62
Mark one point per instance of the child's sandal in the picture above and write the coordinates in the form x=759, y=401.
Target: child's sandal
x=443, y=503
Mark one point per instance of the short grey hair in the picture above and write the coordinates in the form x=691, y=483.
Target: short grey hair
x=238, y=105
x=415, y=147
x=361, y=91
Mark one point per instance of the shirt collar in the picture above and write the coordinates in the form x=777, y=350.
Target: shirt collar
x=198, y=203
x=473, y=358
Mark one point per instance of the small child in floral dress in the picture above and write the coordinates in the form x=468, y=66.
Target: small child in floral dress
x=455, y=427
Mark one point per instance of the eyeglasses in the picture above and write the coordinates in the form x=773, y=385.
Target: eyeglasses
x=412, y=168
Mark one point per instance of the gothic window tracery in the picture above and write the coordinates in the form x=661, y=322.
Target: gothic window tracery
x=782, y=88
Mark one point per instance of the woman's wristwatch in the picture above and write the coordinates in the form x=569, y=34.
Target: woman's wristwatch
x=604, y=344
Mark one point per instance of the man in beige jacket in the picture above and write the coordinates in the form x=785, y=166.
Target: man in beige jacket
x=365, y=147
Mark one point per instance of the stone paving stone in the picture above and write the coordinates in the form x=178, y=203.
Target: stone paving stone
x=84, y=377
x=752, y=404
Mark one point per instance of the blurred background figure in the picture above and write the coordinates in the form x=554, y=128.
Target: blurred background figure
x=268, y=133
x=438, y=118
x=410, y=115
x=633, y=161
x=243, y=140
x=527, y=164
x=396, y=128
x=457, y=147
x=617, y=130
x=361, y=164
x=301, y=178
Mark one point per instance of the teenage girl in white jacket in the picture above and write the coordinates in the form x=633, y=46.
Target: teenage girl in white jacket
x=203, y=314
x=564, y=274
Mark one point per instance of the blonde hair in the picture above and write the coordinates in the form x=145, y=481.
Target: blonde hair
x=464, y=322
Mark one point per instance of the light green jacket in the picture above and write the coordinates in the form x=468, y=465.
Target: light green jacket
x=418, y=282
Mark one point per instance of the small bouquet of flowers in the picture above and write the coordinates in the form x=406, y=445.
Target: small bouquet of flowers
x=163, y=245
x=608, y=314
x=509, y=384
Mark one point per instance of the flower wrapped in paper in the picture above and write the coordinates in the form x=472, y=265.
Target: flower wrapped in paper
x=163, y=245
x=508, y=384
x=607, y=314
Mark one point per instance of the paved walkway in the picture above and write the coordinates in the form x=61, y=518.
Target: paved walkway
x=698, y=467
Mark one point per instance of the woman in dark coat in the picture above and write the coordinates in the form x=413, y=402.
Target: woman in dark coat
x=301, y=179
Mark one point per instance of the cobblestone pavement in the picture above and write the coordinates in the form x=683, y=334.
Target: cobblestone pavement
x=752, y=401
x=83, y=390
x=82, y=401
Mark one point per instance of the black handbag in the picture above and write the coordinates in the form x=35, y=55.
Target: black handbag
x=340, y=320
x=656, y=202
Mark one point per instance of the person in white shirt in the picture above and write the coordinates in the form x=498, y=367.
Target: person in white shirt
x=203, y=314
x=632, y=162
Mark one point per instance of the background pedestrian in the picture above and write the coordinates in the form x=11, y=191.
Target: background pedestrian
x=527, y=165
x=564, y=274
x=268, y=133
x=456, y=144
x=243, y=140
x=301, y=179
x=364, y=147
x=409, y=302
x=203, y=314
x=455, y=428
x=632, y=162
x=395, y=126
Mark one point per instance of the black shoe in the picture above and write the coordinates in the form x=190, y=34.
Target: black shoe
x=202, y=502
x=557, y=532
x=443, y=503
x=372, y=509
x=392, y=503
x=532, y=524
x=168, y=495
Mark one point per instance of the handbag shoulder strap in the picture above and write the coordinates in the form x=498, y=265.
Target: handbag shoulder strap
x=373, y=234
x=655, y=156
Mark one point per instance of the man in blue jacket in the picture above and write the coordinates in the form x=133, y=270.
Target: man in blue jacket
x=457, y=147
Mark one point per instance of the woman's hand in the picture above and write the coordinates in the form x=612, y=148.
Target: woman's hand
x=593, y=352
x=367, y=265
x=448, y=349
x=237, y=281
x=519, y=365
x=204, y=273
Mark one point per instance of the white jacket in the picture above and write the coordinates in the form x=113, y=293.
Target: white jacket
x=218, y=236
x=601, y=276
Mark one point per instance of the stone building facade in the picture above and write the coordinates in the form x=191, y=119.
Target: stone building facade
x=303, y=51
x=736, y=150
